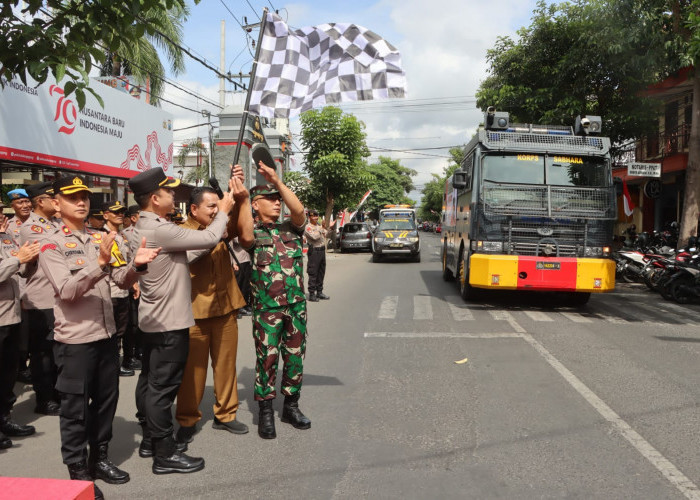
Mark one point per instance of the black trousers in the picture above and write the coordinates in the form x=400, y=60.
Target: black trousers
x=41, y=354
x=9, y=360
x=88, y=382
x=120, y=306
x=245, y=270
x=162, y=368
x=317, y=269
x=132, y=337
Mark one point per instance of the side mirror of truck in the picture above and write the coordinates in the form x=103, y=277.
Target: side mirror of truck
x=459, y=180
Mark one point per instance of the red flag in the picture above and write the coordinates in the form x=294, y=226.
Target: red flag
x=627, y=199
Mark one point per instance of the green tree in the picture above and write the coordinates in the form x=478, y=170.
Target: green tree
x=392, y=182
x=142, y=59
x=68, y=37
x=434, y=190
x=300, y=186
x=199, y=173
x=335, y=148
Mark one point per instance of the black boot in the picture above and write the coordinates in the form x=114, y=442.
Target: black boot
x=79, y=472
x=322, y=296
x=146, y=446
x=266, y=420
x=291, y=414
x=102, y=467
x=168, y=460
x=13, y=429
x=313, y=297
x=5, y=442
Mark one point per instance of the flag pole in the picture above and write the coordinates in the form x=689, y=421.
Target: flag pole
x=244, y=117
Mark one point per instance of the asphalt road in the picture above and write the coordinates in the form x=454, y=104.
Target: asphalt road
x=547, y=402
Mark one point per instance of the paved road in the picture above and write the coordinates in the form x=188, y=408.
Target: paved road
x=548, y=402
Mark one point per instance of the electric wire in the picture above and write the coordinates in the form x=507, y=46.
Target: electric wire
x=253, y=9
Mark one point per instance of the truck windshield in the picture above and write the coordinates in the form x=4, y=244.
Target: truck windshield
x=558, y=170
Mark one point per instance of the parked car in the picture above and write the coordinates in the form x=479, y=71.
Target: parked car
x=355, y=236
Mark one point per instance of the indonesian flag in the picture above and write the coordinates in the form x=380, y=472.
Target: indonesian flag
x=627, y=200
x=364, y=198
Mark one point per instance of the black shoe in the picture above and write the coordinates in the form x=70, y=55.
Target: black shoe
x=24, y=375
x=131, y=364
x=322, y=296
x=13, y=429
x=233, y=426
x=101, y=467
x=313, y=297
x=5, y=442
x=266, y=420
x=146, y=448
x=185, y=434
x=168, y=460
x=126, y=372
x=48, y=408
x=79, y=472
x=291, y=414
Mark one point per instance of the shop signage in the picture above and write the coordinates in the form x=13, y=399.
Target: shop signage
x=644, y=169
x=43, y=126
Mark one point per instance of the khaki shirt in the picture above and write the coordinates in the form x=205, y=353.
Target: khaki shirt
x=83, y=311
x=166, y=291
x=38, y=293
x=128, y=234
x=315, y=235
x=215, y=291
x=9, y=281
x=14, y=227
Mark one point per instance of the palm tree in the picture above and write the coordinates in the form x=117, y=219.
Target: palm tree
x=200, y=172
x=142, y=60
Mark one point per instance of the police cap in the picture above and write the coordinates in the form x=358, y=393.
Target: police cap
x=39, y=189
x=96, y=212
x=16, y=194
x=113, y=206
x=69, y=184
x=151, y=180
x=263, y=190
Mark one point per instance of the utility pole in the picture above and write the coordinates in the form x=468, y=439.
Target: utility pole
x=207, y=114
x=222, y=69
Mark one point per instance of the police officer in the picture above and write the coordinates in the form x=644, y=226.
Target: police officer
x=132, y=333
x=316, y=236
x=78, y=263
x=22, y=206
x=39, y=301
x=96, y=220
x=165, y=313
x=11, y=258
x=113, y=213
x=279, y=303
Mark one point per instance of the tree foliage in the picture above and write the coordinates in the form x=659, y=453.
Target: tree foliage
x=199, y=173
x=434, y=190
x=335, y=149
x=68, y=37
x=300, y=186
x=392, y=182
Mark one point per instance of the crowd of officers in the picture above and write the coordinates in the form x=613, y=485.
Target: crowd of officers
x=76, y=290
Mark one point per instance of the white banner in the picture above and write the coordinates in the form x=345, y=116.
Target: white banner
x=644, y=169
x=40, y=125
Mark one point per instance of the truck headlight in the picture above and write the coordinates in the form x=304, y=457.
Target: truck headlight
x=489, y=246
x=592, y=252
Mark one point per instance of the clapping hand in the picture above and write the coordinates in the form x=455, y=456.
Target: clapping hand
x=145, y=255
x=106, y=248
x=28, y=252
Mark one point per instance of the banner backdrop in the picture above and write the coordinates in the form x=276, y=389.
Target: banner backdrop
x=40, y=125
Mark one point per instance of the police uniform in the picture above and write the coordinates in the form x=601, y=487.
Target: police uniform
x=38, y=300
x=13, y=228
x=279, y=312
x=316, y=236
x=9, y=339
x=85, y=346
x=165, y=316
x=132, y=338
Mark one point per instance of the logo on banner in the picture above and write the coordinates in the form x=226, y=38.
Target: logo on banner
x=144, y=162
x=66, y=112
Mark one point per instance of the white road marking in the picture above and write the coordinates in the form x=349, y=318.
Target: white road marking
x=499, y=315
x=576, y=317
x=422, y=308
x=460, y=311
x=387, y=310
x=538, y=316
x=425, y=335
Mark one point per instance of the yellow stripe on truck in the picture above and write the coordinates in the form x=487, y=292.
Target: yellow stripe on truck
x=595, y=275
x=493, y=271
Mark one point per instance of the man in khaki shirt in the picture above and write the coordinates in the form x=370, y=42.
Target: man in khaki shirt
x=216, y=299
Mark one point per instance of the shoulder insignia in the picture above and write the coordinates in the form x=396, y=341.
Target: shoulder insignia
x=48, y=246
x=66, y=231
x=80, y=262
x=37, y=229
x=71, y=244
x=42, y=220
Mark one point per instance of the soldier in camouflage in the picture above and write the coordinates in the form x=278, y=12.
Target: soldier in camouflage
x=279, y=303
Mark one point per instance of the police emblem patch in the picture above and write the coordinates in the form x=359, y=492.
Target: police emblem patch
x=71, y=244
x=7, y=242
x=80, y=262
x=37, y=229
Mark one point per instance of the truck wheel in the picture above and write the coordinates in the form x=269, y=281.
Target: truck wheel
x=376, y=257
x=446, y=273
x=467, y=291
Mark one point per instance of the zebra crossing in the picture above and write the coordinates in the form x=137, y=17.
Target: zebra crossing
x=621, y=311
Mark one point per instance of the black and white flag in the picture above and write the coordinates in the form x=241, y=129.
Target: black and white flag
x=320, y=65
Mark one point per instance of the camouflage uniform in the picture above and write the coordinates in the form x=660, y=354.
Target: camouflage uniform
x=279, y=307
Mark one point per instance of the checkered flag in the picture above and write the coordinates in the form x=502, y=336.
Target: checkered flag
x=315, y=66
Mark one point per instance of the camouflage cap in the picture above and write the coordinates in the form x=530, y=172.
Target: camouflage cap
x=263, y=190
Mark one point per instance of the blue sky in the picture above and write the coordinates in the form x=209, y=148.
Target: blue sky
x=443, y=53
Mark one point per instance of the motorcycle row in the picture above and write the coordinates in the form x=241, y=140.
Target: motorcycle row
x=652, y=259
